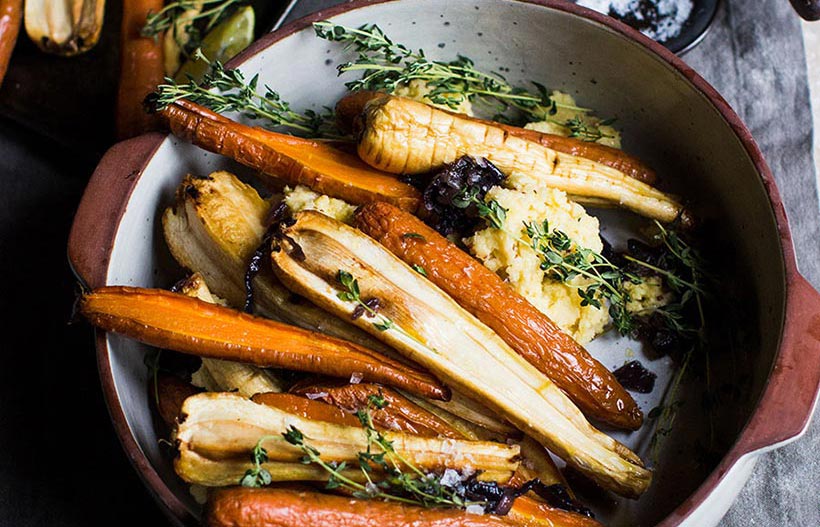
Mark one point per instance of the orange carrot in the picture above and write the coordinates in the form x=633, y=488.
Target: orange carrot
x=189, y=325
x=288, y=159
x=11, y=16
x=141, y=69
x=528, y=331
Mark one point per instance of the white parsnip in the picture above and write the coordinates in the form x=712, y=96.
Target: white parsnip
x=428, y=327
x=219, y=431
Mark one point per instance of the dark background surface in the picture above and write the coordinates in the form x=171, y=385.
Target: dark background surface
x=60, y=462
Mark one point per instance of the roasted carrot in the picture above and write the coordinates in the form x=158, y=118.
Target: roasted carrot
x=307, y=408
x=527, y=512
x=276, y=507
x=421, y=321
x=522, y=326
x=171, y=393
x=11, y=16
x=349, y=113
x=288, y=159
x=400, y=414
x=141, y=69
x=242, y=507
x=170, y=320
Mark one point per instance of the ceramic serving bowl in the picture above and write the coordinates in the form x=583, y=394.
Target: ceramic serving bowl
x=760, y=392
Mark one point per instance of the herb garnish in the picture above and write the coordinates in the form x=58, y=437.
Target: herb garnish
x=419, y=269
x=386, y=66
x=563, y=260
x=685, y=272
x=412, y=487
x=258, y=476
x=183, y=15
x=235, y=94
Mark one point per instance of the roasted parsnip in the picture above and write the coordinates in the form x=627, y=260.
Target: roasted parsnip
x=349, y=110
x=214, y=227
x=287, y=159
x=402, y=136
x=224, y=375
x=222, y=429
x=65, y=27
x=522, y=326
x=188, y=325
x=342, y=270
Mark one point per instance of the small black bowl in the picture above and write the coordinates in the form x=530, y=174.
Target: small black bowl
x=694, y=29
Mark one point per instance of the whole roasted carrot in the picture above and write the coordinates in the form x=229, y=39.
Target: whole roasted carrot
x=522, y=326
x=288, y=159
x=307, y=408
x=141, y=69
x=189, y=325
x=349, y=110
x=244, y=507
x=277, y=507
x=400, y=414
x=11, y=15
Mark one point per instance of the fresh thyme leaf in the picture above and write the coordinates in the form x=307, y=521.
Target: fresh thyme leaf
x=151, y=361
x=384, y=325
x=586, y=130
x=193, y=17
x=258, y=476
x=387, y=66
x=419, y=269
x=383, y=469
x=414, y=235
x=226, y=90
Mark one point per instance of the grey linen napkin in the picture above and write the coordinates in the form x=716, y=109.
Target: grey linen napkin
x=754, y=56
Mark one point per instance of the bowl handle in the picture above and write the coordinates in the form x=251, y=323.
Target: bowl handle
x=103, y=204
x=789, y=399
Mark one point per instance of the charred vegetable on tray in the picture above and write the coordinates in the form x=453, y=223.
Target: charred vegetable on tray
x=394, y=329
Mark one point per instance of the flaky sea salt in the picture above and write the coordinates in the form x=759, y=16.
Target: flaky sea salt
x=660, y=20
x=450, y=478
x=316, y=395
x=474, y=509
x=356, y=377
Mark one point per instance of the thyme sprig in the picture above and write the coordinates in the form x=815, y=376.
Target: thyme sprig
x=368, y=307
x=258, y=476
x=685, y=272
x=236, y=94
x=564, y=260
x=401, y=480
x=387, y=65
x=184, y=15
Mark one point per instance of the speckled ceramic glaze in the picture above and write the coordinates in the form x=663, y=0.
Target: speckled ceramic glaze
x=670, y=117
